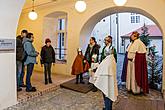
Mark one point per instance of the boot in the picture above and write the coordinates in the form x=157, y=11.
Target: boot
x=77, y=77
x=50, y=81
x=81, y=79
x=46, y=81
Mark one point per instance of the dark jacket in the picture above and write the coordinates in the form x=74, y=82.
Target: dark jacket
x=88, y=54
x=47, y=55
x=19, y=48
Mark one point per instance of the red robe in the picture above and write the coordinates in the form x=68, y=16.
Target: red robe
x=141, y=74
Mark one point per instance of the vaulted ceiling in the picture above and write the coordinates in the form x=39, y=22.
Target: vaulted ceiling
x=28, y=3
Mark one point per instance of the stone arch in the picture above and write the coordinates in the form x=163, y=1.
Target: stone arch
x=93, y=20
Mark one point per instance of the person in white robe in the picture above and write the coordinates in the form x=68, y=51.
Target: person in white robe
x=136, y=46
x=105, y=75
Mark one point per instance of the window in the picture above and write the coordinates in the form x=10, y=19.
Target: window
x=123, y=40
x=135, y=18
x=61, y=36
x=61, y=24
x=132, y=19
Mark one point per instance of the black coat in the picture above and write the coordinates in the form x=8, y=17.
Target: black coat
x=19, y=49
x=88, y=54
x=47, y=55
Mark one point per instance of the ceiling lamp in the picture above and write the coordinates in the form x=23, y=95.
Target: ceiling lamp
x=120, y=2
x=80, y=6
x=33, y=15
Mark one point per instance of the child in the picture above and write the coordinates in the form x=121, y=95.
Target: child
x=92, y=71
x=93, y=68
x=47, y=58
x=78, y=67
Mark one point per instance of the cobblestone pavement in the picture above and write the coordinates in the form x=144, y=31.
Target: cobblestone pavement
x=63, y=99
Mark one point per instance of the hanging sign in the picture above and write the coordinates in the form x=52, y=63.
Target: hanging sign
x=7, y=45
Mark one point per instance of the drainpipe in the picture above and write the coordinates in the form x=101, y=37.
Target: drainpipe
x=117, y=22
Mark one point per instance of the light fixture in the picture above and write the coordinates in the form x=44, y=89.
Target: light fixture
x=33, y=15
x=120, y=2
x=80, y=6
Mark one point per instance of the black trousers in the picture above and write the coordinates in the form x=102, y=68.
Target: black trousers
x=47, y=72
x=79, y=76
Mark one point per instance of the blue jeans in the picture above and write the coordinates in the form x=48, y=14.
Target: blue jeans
x=18, y=71
x=28, y=75
x=22, y=75
x=107, y=102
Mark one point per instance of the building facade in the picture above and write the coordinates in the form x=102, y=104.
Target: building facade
x=120, y=24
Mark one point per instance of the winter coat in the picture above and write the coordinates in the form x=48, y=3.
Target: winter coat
x=47, y=55
x=19, y=49
x=89, y=53
x=30, y=51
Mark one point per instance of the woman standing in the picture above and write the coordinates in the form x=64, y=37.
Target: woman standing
x=47, y=58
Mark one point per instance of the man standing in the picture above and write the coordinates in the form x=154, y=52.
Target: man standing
x=105, y=75
x=19, y=58
x=21, y=82
x=136, y=70
x=92, y=49
x=31, y=55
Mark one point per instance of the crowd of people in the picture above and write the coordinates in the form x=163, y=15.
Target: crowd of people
x=101, y=70
x=26, y=58
x=90, y=63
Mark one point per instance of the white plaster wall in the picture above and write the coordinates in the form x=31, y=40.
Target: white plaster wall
x=49, y=30
x=9, y=15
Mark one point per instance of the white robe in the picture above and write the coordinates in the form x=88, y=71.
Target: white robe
x=136, y=46
x=105, y=77
x=91, y=73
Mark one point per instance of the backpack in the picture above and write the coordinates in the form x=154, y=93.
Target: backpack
x=19, y=49
x=25, y=55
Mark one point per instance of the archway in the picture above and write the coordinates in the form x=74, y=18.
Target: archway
x=95, y=5
x=92, y=21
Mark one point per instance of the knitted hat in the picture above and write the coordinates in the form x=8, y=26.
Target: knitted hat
x=47, y=40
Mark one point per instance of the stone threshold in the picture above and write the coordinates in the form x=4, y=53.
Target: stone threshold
x=37, y=94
